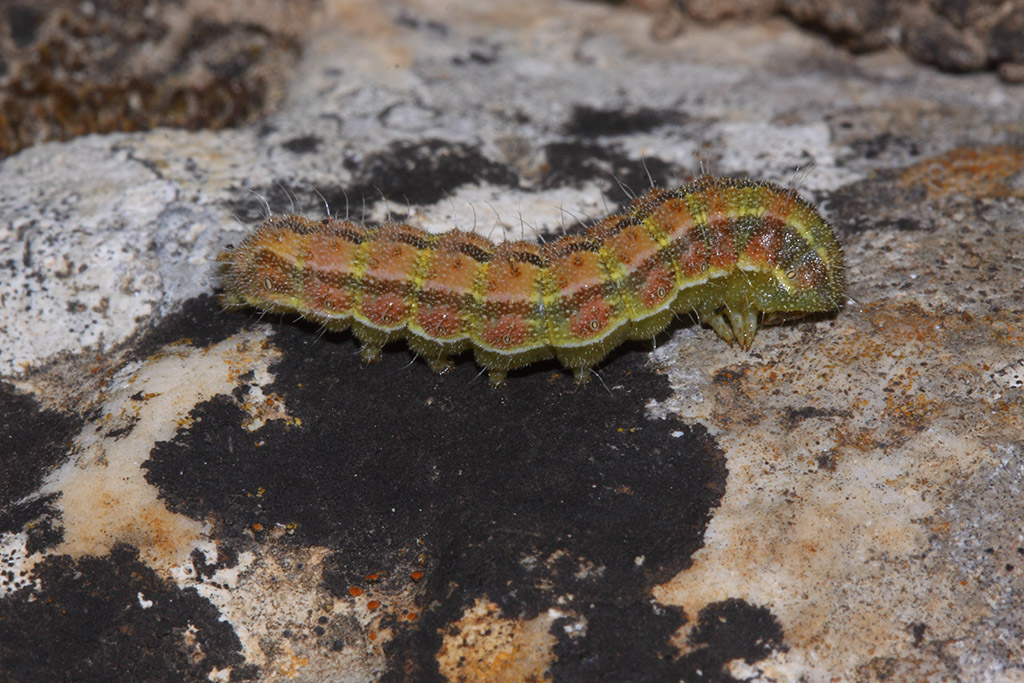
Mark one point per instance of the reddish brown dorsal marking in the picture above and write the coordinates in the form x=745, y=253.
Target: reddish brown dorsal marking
x=732, y=252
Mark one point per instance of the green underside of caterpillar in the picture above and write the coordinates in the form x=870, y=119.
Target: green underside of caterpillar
x=733, y=305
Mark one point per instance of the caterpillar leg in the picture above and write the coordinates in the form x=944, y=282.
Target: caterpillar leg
x=440, y=365
x=370, y=353
x=735, y=326
x=372, y=340
x=581, y=375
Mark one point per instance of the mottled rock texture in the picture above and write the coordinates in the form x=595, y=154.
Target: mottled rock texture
x=190, y=494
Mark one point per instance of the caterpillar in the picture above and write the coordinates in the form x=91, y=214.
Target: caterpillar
x=735, y=253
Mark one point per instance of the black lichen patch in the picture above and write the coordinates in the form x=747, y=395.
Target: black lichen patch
x=33, y=439
x=907, y=224
x=200, y=322
x=588, y=122
x=627, y=640
x=409, y=20
x=728, y=630
x=621, y=177
x=880, y=202
x=422, y=173
x=880, y=145
x=792, y=417
x=39, y=518
x=480, y=53
x=917, y=630
x=536, y=493
x=305, y=144
x=405, y=173
x=112, y=619
x=23, y=22
x=227, y=557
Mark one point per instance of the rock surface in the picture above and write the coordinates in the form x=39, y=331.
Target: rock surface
x=195, y=495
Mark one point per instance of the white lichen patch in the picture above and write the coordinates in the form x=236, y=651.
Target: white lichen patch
x=1010, y=376
x=103, y=495
x=80, y=264
x=498, y=215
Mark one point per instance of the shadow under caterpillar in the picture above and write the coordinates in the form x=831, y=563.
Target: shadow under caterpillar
x=735, y=253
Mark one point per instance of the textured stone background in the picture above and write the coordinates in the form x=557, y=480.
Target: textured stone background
x=192, y=494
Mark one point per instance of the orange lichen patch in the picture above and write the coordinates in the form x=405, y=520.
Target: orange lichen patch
x=914, y=411
x=355, y=591
x=905, y=369
x=274, y=599
x=485, y=646
x=261, y=409
x=373, y=604
x=908, y=322
x=291, y=666
x=416, y=576
x=970, y=171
